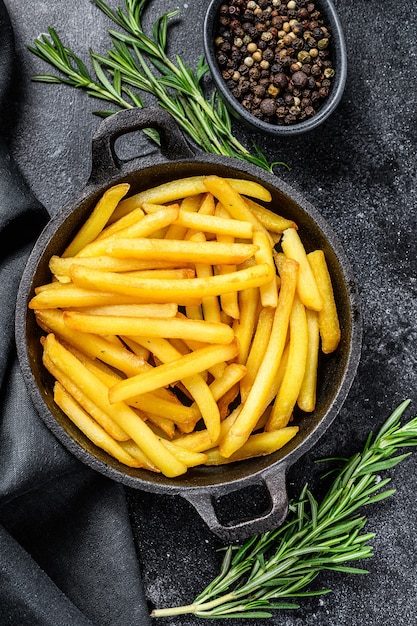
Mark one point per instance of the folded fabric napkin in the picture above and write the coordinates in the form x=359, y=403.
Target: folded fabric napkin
x=67, y=554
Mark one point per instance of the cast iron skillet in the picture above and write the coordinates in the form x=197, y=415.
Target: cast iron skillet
x=200, y=486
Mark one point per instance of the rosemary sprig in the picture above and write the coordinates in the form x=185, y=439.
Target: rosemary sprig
x=138, y=62
x=269, y=569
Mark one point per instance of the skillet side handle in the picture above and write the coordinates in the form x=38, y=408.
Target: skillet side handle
x=105, y=162
x=204, y=503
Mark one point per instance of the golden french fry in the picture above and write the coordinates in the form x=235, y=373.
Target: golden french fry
x=257, y=350
x=65, y=296
x=61, y=267
x=124, y=222
x=183, y=187
x=232, y=200
x=173, y=250
x=307, y=288
x=215, y=224
x=189, y=457
x=255, y=402
x=162, y=311
x=307, y=397
x=144, y=227
x=259, y=444
x=133, y=450
x=98, y=218
x=154, y=406
x=166, y=374
x=123, y=415
x=229, y=301
x=102, y=418
x=328, y=317
x=210, y=306
x=200, y=440
x=232, y=374
x=269, y=291
x=90, y=428
x=209, y=332
x=197, y=387
x=186, y=291
x=294, y=372
x=273, y=222
x=244, y=329
x=93, y=346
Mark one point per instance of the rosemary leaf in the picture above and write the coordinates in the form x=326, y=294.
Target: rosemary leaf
x=316, y=536
x=139, y=60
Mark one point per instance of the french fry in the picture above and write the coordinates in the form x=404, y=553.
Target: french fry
x=307, y=288
x=124, y=222
x=173, y=322
x=168, y=373
x=184, y=292
x=269, y=291
x=189, y=457
x=71, y=296
x=229, y=301
x=161, y=311
x=102, y=418
x=203, y=397
x=231, y=199
x=328, y=317
x=200, y=440
x=180, y=250
x=273, y=222
x=294, y=373
x=92, y=345
x=307, y=397
x=152, y=405
x=209, y=332
x=123, y=415
x=98, y=218
x=210, y=305
x=61, y=267
x=244, y=329
x=181, y=188
x=258, y=444
x=215, y=224
x=255, y=402
x=144, y=227
x=90, y=428
x=257, y=349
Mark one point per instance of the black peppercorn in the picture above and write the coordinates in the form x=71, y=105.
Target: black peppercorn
x=299, y=79
x=275, y=57
x=268, y=107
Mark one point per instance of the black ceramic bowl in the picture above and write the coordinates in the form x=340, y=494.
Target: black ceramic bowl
x=339, y=59
x=200, y=486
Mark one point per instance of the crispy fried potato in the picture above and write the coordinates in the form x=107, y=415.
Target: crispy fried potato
x=98, y=218
x=178, y=335
x=307, y=287
x=328, y=317
x=255, y=403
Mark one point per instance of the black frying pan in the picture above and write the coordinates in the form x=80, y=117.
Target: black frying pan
x=204, y=485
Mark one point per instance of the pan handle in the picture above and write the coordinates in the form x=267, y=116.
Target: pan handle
x=105, y=162
x=204, y=503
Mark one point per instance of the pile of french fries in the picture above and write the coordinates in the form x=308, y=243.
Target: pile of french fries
x=183, y=324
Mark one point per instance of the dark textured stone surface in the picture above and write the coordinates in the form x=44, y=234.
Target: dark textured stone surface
x=359, y=170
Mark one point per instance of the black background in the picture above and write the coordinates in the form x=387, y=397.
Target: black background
x=359, y=170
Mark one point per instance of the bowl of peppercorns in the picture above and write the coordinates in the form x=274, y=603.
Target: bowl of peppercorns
x=279, y=65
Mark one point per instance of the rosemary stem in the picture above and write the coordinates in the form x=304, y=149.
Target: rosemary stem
x=194, y=608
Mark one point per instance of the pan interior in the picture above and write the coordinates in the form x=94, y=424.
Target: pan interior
x=336, y=370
